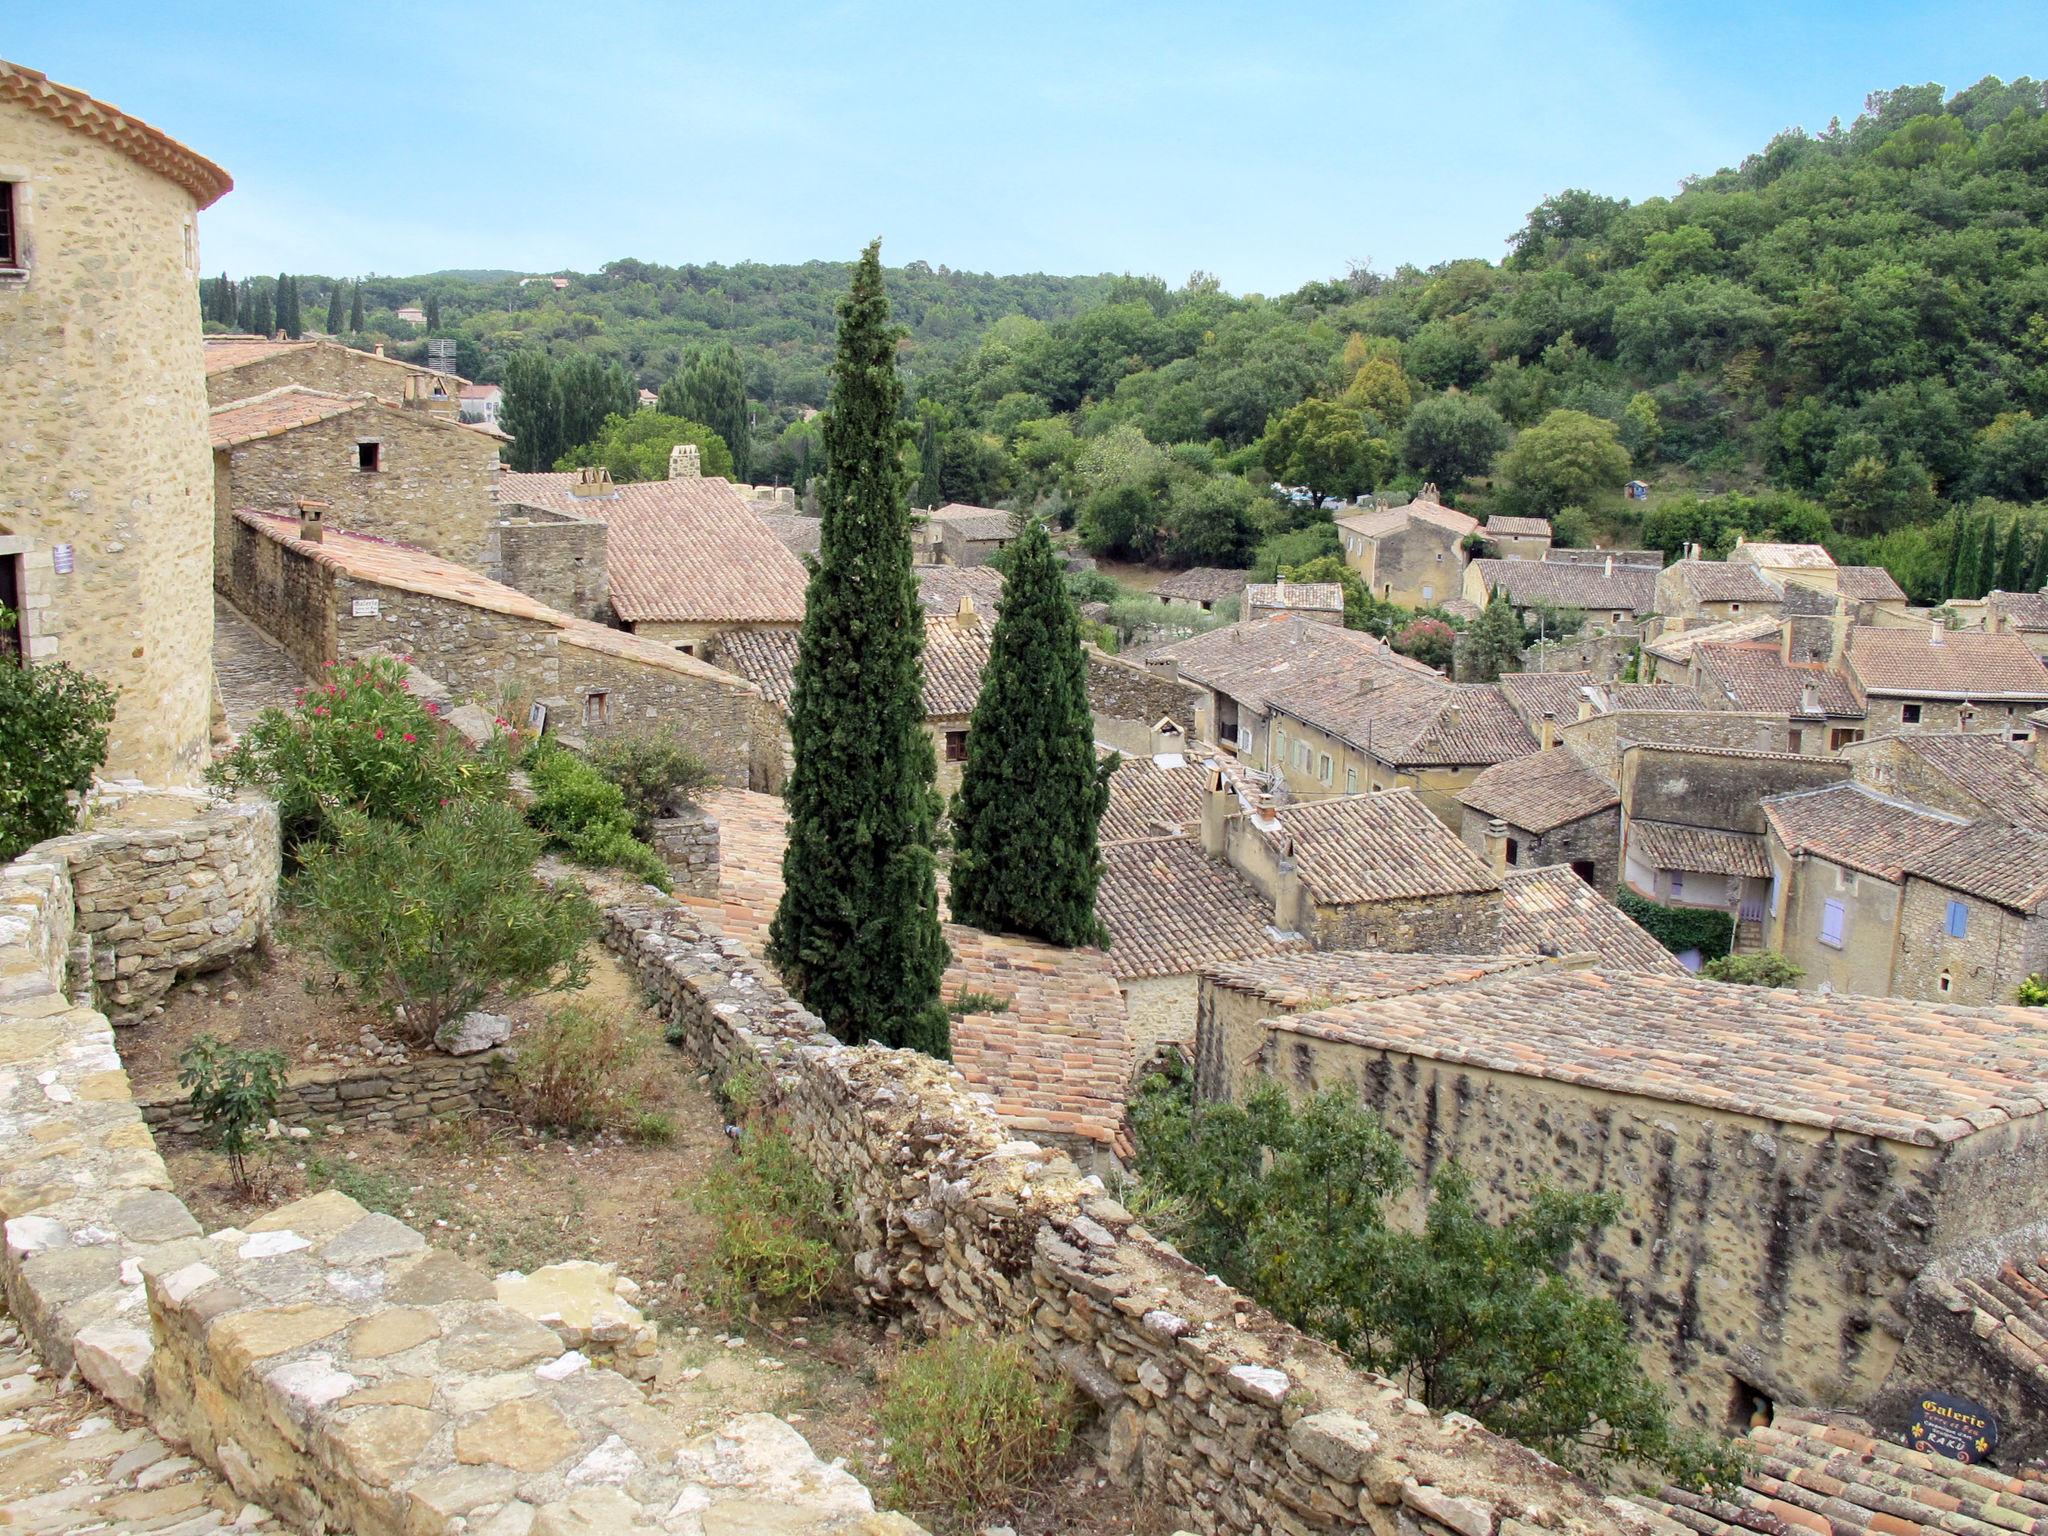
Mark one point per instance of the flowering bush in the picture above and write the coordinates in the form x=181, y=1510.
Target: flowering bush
x=356, y=741
x=1429, y=641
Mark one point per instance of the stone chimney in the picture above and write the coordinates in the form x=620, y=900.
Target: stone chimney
x=592, y=481
x=1965, y=713
x=1785, y=646
x=1546, y=735
x=1497, y=846
x=1607, y=566
x=1429, y=492
x=685, y=462
x=1692, y=550
x=311, y=527
x=1809, y=697
x=380, y=349
x=1937, y=632
x=1218, y=802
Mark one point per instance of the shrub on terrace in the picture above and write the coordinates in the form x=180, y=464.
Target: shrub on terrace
x=583, y=813
x=773, y=1214
x=578, y=1070
x=233, y=1092
x=652, y=772
x=969, y=1422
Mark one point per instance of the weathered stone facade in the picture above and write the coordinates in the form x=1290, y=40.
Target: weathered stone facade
x=168, y=883
x=1124, y=691
x=1605, y=655
x=103, y=416
x=1598, y=741
x=1998, y=949
x=432, y=486
x=553, y=556
x=688, y=845
x=322, y=364
x=1416, y=563
x=1803, y=888
x=1591, y=845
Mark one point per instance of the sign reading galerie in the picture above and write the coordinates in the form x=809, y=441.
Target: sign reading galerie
x=1953, y=1427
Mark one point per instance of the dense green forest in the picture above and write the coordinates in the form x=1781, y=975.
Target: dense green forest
x=1845, y=337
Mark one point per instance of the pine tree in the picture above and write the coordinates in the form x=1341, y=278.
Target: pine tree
x=334, y=308
x=711, y=388
x=1027, y=857
x=355, y=309
x=2012, y=570
x=857, y=933
x=1987, y=558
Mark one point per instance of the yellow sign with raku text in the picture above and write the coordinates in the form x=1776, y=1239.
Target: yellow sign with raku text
x=1953, y=1427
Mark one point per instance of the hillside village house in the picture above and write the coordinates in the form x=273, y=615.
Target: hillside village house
x=238, y=367
x=415, y=476
x=1806, y=565
x=479, y=404
x=105, y=511
x=2019, y=613
x=1697, y=591
x=1668, y=657
x=1837, y=856
x=1518, y=538
x=1412, y=555
x=957, y=591
x=1319, y=602
x=1974, y=774
x=1973, y=915
x=1926, y=678
x=958, y=534
x=1202, y=586
x=1546, y=809
x=1610, y=594
x=1820, y=711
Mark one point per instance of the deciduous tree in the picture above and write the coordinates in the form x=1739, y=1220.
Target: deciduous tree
x=1567, y=459
x=1451, y=438
x=712, y=388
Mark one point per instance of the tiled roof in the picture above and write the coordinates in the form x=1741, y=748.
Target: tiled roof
x=1541, y=791
x=1309, y=596
x=1924, y=1073
x=1202, y=584
x=1720, y=581
x=1698, y=850
x=517, y=485
x=1808, y=1474
x=1680, y=645
x=2002, y=864
x=1561, y=693
x=276, y=411
x=1549, y=910
x=684, y=552
x=799, y=535
x=1373, y=525
x=1626, y=589
x=2006, y=1298
x=1408, y=720
x=481, y=392
x=953, y=661
x=1868, y=584
x=1963, y=665
x=1519, y=527
x=974, y=522
x=1247, y=660
x=1323, y=978
x=940, y=587
x=151, y=148
x=1756, y=677
x=1856, y=827
x=1384, y=847
x=400, y=566
x=1148, y=801
x=226, y=352
x=1171, y=909
x=1787, y=557
x=1662, y=696
x=1990, y=770
x=1058, y=1059
x=2022, y=610
x=1653, y=558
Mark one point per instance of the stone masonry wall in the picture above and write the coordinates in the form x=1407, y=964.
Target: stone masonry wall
x=1123, y=690
x=560, y=560
x=168, y=883
x=372, y=1097
x=688, y=845
x=1598, y=742
x=1230, y=1420
x=340, y=370
x=290, y=598
x=1464, y=924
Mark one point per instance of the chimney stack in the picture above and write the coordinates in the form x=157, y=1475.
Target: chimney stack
x=1546, y=737
x=1497, y=846
x=592, y=481
x=685, y=462
x=311, y=528
x=1937, y=632
x=1809, y=697
x=380, y=349
x=1785, y=642
x=1965, y=713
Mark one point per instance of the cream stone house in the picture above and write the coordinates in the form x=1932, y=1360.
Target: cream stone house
x=1412, y=555
x=240, y=366
x=106, y=532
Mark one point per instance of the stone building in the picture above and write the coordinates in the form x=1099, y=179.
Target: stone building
x=381, y=469
x=2019, y=613
x=1786, y=1164
x=1972, y=774
x=553, y=553
x=1806, y=565
x=1202, y=586
x=1837, y=857
x=1668, y=656
x=1973, y=915
x=1870, y=594
x=1412, y=555
x=962, y=535
x=959, y=592
x=105, y=523
x=1609, y=594
x=1696, y=592
x=1822, y=713
x=1518, y=538
x=238, y=367
x=324, y=595
x=1935, y=679
x=1320, y=602
x=1551, y=809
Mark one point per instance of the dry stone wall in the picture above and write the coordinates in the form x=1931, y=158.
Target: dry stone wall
x=376, y=1098
x=1231, y=1420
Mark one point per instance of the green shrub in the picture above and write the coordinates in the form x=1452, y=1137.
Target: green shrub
x=1767, y=969
x=1681, y=928
x=654, y=1126
x=652, y=772
x=53, y=738
x=232, y=1092
x=2033, y=992
x=584, y=814
x=430, y=920
x=357, y=742
x=969, y=1422
x=577, y=1070
x=774, y=1219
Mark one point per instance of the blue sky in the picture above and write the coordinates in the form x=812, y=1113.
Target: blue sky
x=1268, y=144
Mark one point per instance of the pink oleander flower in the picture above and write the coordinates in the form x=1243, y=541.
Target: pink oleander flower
x=380, y=733
x=410, y=737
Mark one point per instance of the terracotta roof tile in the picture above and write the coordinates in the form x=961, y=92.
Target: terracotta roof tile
x=1409, y=721
x=1170, y=909
x=1203, y=584
x=1962, y=665
x=1856, y=827
x=1680, y=645
x=1247, y=660
x=799, y=535
x=1385, y=847
x=1697, y=850
x=1722, y=581
x=1653, y=558
x=1374, y=525
x=2006, y=1298
x=1551, y=911
x=1756, y=677
x=2021, y=610
x=276, y=411
x=148, y=147
x=1147, y=801
x=683, y=551
x=1304, y=596
x=1990, y=770
x=953, y=662
x=1868, y=584
x=2003, y=864
x=1785, y=557
x=1519, y=527
x=226, y=352
x=1324, y=978
x=970, y=522
x=1625, y=589
x=1923, y=1073
x=1541, y=791
x=940, y=587
x=1561, y=693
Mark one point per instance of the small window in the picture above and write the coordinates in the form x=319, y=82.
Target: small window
x=1909, y=714
x=1944, y=983
x=1795, y=740
x=1678, y=882
x=597, y=708
x=1514, y=851
x=10, y=255
x=1428, y=593
x=1750, y=1408
x=1734, y=608
x=1350, y=781
x=1583, y=868
x=1958, y=920
x=956, y=746
x=1439, y=557
x=1617, y=618
x=1301, y=756
x=1325, y=770
x=687, y=650
x=1843, y=736
x=1832, y=917
x=369, y=457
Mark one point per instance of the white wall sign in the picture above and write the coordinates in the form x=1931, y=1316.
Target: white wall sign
x=60, y=559
x=364, y=608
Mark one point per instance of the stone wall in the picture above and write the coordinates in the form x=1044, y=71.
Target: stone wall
x=1598, y=742
x=1862, y=961
x=555, y=557
x=432, y=489
x=1712, y=789
x=1220, y=1414
x=288, y=597
x=1124, y=690
x=688, y=845
x=1999, y=948
x=379, y=1097
x=103, y=400
x=338, y=369
x=1606, y=656
x=1463, y=924
x=1593, y=840
x=167, y=883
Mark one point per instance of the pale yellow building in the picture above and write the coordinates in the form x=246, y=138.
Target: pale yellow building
x=106, y=520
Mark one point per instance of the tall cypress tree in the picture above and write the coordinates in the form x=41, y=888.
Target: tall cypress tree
x=245, y=306
x=1966, y=558
x=928, y=493
x=857, y=933
x=1027, y=857
x=284, y=304
x=334, y=308
x=433, y=312
x=1952, y=576
x=2012, y=570
x=355, y=308
x=262, y=312
x=2037, y=578
x=1987, y=557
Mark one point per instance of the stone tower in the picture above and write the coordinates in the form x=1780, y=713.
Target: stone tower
x=106, y=477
